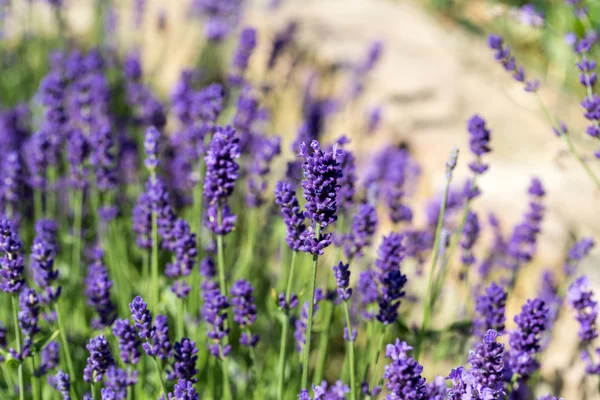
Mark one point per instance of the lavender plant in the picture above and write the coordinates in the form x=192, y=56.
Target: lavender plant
x=112, y=193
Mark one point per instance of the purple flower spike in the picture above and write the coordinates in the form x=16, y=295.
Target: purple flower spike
x=129, y=343
x=285, y=197
x=342, y=279
x=214, y=313
x=142, y=318
x=97, y=290
x=321, y=174
x=403, y=374
x=487, y=364
x=184, y=390
x=10, y=179
x=221, y=167
x=99, y=361
x=525, y=340
x=11, y=263
x=61, y=383
x=364, y=225
x=580, y=297
x=578, y=252
x=151, y=139
x=479, y=141
x=391, y=279
x=246, y=45
x=470, y=236
x=244, y=310
x=43, y=252
x=490, y=307
x=503, y=56
x=186, y=356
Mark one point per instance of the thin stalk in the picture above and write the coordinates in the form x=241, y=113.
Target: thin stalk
x=77, y=222
x=569, y=142
x=180, y=317
x=324, y=342
x=155, y=287
x=93, y=390
x=51, y=206
x=160, y=377
x=220, y=257
x=38, y=208
x=18, y=338
x=226, y=387
x=7, y=378
x=311, y=306
x=35, y=381
x=350, y=353
x=375, y=363
x=284, y=330
x=66, y=349
x=249, y=245
x=434, y=259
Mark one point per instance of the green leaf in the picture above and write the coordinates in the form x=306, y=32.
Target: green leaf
x=45, y=341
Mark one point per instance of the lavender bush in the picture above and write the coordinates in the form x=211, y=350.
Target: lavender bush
x=165, y=249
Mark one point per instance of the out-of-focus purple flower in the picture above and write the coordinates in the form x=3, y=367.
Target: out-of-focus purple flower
x=43, y=252
x=580, y=297
x=99, y=361
x=78, y=150
x=139, y=8
x=244, y=310
x=364, y=225
x=293, y=216
x=185, y=254
x=161, y=344
x=341, y=273
x=186, y=356
x=529, y=16
x=97, y=290
x=282, y=40
x=368, y=292
x=220, y=17
x=28, y=318
x=239, y=64
x=49, y=358
x=102, y=158
x=322, y=172
x=417, y=244
x=347, y=182
x=157, y=193
x=525, y=340
x=117, y=380
x=522, y=243
x=390, y=277
x=11, y=263
x=479, y=142
x=263, y=150
x=491, y=307
x=10, y=180
x=436, y=389
x=129, y=343
x=184, y=390
x=470, y=235
x=403, y=373
x=503, y=56
x=214, y=313
x=549, y=397
x=222, y=170
x=578, y=252
x=141, y=216
x=61, y=383
x=151, y=138
x=373, y=119
x=301, y=323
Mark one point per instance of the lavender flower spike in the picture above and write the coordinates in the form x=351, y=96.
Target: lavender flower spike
x=99, y=360
x=11, y=263
x=580, y=297
x=479, y=142
x=321, y=174
x=246, y=45
x=490, y=307
x=503, y=56
x=403, y=374
x=525, y=340
x=364, y=225
x=391, y=279
x=285, y=197
x=244, y=310
x=488, y=367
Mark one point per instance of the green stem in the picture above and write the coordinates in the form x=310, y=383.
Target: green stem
x=93, y=390
x=284, y=330
x=66, y=348
x=35, y=388
x=15, y=308
x=160, y=377
x=375, y=363
x=569, y=142
x=51, y=209
x=37, y=204
x=311, y=306
x=324, y=342
x=220, y=259
x=7, y=378
x=180, y=318
x=155, y=286
x=226, y=387
x=77, y=222
x=434, y=259
x=246, y=254
x=350, y=352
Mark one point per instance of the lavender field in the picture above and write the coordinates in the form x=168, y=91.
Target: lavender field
x=234, y=199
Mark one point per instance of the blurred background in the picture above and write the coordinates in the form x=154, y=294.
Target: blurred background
x=434, y=72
